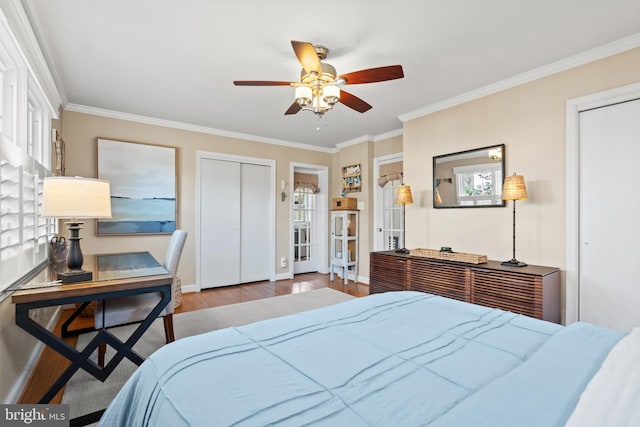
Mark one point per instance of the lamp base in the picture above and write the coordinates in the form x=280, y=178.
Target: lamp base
x=402, y=251
x=73, y=276
x=513, y=263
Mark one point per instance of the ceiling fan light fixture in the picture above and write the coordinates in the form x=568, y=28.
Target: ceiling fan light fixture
x=319, y=105
x=303, y=95
x=331, y=94
x=318, y=89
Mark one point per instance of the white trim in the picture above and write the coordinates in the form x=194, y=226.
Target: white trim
x=190, y=127
x=355, y=141
x=271, y=209
x=190, y=288
x=363, y=279
x=572, y=238
x=13, y=14
x=25, y=374
x=84, y=109
x=369, y=138
x=283, y=276
x=609, y=49
x=388, y=135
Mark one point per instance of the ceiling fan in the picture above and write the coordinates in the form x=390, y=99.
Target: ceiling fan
x=318, y=89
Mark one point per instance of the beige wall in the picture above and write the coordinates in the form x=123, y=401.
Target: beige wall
x=81, y=130
x=388, y=146
x=530, y=120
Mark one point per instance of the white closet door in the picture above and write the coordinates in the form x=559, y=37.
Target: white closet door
x=609, y=228
x=254, y=222
x=220, y=223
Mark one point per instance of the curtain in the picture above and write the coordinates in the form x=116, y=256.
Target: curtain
x=389, y=172
x=305, y=180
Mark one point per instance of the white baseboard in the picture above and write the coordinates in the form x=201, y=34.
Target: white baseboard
x=283, y=276
x=190, y=288
x=26, y=372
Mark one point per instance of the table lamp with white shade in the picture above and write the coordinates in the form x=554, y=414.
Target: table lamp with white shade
x=75, y=198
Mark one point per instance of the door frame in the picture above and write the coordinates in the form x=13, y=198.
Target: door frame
x=271, y=209
x=572, y=221
x=377, y=196
x=322, y=214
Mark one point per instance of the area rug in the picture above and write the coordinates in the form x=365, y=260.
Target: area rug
x=85, y=394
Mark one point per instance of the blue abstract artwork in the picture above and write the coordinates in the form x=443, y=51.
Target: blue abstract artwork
x=143, y=187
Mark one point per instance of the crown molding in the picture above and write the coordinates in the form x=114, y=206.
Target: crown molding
x=84, y=109
x=354, y=141
x=369, y=138
x=190, y=127
x=574, y=61
x=388, y=135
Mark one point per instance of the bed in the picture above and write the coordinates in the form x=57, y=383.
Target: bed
x=391, y=359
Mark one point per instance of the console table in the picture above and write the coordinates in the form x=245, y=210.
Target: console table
x=532, y=290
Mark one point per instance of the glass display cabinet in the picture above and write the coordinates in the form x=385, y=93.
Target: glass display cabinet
x=344, y=244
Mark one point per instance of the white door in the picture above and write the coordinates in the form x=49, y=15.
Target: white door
x=609, y=231
x=305, y=231
x=220, y=223
x=254, y=223
x=235, y=225
x=390, y=229
x=388, y=217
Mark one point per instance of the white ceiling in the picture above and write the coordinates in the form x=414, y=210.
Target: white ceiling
x=176, y=60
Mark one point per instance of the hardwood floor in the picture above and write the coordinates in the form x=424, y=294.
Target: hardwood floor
x=51, y=364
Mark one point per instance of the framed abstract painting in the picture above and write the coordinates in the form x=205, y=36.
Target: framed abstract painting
x=143, y=180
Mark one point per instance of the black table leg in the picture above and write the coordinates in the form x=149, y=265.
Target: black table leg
x=80, y=359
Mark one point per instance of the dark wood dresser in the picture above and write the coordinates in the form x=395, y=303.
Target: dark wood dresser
x=532, y=290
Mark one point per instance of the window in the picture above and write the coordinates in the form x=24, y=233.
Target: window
x=478, y=184
x=25, y=157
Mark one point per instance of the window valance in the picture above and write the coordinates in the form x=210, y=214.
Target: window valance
x=389, y=172
x=305, y=180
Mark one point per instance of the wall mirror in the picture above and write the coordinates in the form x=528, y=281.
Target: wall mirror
x=469, y=179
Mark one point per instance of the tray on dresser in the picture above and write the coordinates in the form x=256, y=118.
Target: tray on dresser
x=449, y=256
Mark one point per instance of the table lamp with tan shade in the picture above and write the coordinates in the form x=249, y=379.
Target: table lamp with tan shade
x=514, y=189
x=403, y=198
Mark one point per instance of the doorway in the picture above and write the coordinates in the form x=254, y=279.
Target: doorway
x=388, y=218
x=309, y=208
x=305, y=231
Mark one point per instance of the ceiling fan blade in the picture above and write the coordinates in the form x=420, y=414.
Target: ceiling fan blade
x=354, y=102
x=307, y=56
x=373, y=75
x=259, y=83
x=294, y=108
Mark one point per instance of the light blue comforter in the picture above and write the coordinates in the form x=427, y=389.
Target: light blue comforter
x=392, y=359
